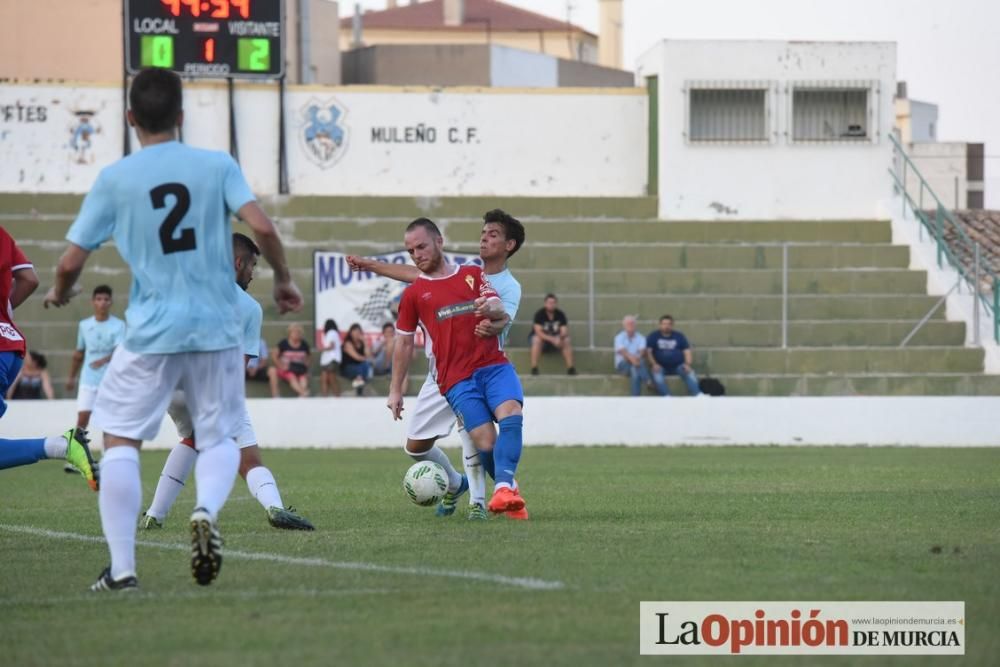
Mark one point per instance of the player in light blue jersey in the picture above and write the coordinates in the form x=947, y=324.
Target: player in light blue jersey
x=96, y=339
x=168, y=208
x=260, y=481
x=432, y=418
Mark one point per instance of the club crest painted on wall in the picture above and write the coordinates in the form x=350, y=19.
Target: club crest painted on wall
x=322, y=132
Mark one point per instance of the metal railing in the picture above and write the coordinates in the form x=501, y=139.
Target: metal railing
x=939, y=226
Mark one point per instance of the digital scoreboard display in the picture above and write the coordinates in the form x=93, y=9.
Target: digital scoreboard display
x=206, y=38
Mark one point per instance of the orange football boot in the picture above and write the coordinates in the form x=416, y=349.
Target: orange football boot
x=505, y=499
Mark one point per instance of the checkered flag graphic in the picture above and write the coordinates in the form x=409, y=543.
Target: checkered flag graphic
x=376, y=309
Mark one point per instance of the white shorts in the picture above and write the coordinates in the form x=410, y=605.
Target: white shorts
x=178, y=411
x=432, y=417
x=85, y=397
x=137, y=390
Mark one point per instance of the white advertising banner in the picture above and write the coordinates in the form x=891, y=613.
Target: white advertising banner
x=348, y=297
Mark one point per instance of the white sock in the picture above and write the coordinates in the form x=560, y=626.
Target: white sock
x=437, y=455
x=55, y=447
x=176, y=470
x=120, y=500
x=473, y=469
x=214, y=474
x=262, y=486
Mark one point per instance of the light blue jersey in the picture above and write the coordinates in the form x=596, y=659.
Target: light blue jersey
x=167, y=208
x=251, y=319
x=510, y=293
x=97, y=340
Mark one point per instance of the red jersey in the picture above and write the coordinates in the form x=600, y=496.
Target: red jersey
x=11, y=259
x=444, y=308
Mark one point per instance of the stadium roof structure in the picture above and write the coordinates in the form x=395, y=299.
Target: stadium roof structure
x=479, y=15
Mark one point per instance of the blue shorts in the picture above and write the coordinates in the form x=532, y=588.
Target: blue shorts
x=10, y=366
x=475, y=399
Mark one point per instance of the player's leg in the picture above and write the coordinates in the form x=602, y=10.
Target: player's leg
x=504, y=396
x=177, y=468
x=72, y=445
x=431, y=419
x=134, y=394
x=261, y=483
x=475, y=474
x=213, y=382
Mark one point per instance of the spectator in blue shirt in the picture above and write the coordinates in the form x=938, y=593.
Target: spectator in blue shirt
x=670, y=353
x=630, y=358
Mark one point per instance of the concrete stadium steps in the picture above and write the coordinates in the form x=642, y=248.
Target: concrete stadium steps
x=750, y=333
x=45, y=253
x=388, y=207
x=709, y=334
x=910, y=308
x=731, y=361
x=905, y=384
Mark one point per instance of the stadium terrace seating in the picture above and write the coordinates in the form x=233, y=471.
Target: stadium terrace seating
x=853, y=297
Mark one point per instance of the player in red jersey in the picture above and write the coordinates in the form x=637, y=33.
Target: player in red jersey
x=17, y=281
x=450, y=303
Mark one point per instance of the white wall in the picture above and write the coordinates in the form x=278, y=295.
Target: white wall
x=777, y=179
x=940, y=163
x=539, y=142
x=645, y=421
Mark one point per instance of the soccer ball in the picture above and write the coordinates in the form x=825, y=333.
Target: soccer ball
x=425, y=483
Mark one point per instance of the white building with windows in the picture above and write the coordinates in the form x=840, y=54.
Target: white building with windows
x=770, y=129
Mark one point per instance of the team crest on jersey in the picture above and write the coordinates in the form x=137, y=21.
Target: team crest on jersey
x=470, y=281
x=322, y=132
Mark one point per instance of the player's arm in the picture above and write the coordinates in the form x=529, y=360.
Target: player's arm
x=286, y=294
x=25, y=284
x=401, y=355
x=488, y=328
x=103, y=361
x=67, y=273
x=406, y=273
x=76, y=363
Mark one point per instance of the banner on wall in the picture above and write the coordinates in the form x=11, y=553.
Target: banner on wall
x=348, y=297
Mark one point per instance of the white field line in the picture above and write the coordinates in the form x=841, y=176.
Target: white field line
x=519, y=582
x=202, y=594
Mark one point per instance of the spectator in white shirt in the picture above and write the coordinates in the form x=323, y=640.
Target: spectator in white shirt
x=329, y=360
x=630, y=358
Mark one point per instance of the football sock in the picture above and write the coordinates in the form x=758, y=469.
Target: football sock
x=214, y=474
x=176, y=470
x=262, y=486
x=489, y=464
x=473, y=469
x=507, y=452
x=436, y=455
x=56, y=446
x=120, y=500
x=15, y=453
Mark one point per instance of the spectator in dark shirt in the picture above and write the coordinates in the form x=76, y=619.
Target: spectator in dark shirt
x=550, y=332
x=356, y=365
x=670, y=354
x=33, y=380
x=291, y=363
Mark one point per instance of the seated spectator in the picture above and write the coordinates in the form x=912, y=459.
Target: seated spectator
x=630, y=358
x=33, y=381
x=257, y=367
x=291, y=363
x=550, y=332
x=669, y=353
x=355, y=364
x=329, y=360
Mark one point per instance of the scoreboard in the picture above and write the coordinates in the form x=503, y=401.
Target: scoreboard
x=206, y=38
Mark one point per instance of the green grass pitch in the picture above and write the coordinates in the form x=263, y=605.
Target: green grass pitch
x=613, y=526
